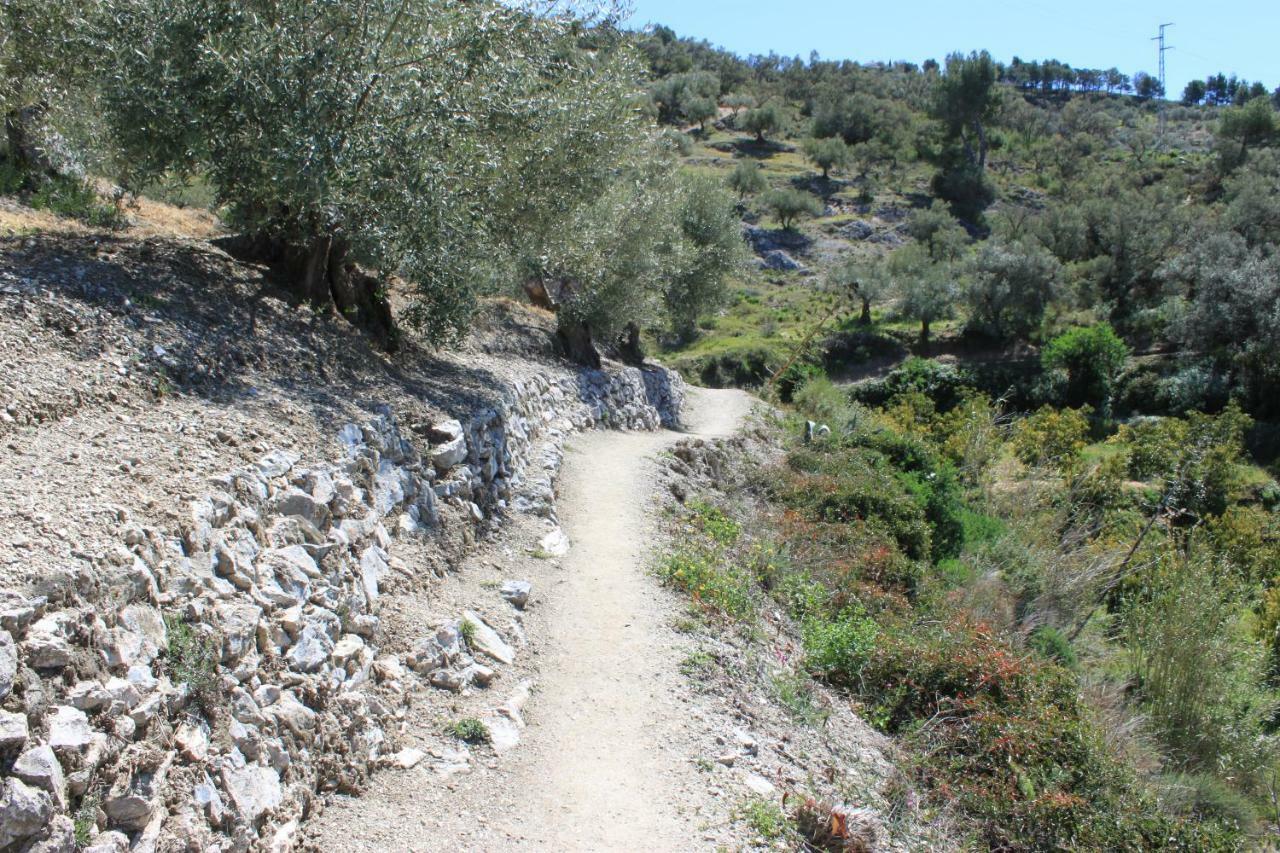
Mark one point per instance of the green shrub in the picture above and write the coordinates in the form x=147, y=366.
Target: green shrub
x=714, y=522
x=945, y=384
x=192, y=659
x=839, y=650
x=1052, y=437
x=711, y=580
x=1091, y=357
x=854, y=485
x=1051, y=643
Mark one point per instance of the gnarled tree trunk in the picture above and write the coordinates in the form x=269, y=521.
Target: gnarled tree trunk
x=323, y=273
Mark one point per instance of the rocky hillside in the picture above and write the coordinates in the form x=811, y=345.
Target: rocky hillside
x=204, y=492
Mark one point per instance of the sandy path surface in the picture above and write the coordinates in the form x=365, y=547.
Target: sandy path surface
x=605, y=763
x=604, y=775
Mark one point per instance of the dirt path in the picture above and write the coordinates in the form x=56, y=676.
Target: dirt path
x=604, y=773
x=606, y=762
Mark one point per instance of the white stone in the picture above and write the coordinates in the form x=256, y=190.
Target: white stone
x=555, y=543
x=8, y=663
x=408, y=758
x=759, y=785
x=38, y=766
x=311, y=651
x=13, y=730
x=254, y=790
x=517, y=592
x=24, y=811
x=277, y=463
x=192, y=741
x=485, y=639
x=69, y=729
x=45, y=647
x=449, y=454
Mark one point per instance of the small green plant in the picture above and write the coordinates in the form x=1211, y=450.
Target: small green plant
x=795, y=692
x=766, y=818
x=86, y=820
x=193, y=660
x=1051, y=643
x=714, y=522
x=697, y=663
x=467, y=630
x=713, y=582
x=468, y=729
x=76, y=199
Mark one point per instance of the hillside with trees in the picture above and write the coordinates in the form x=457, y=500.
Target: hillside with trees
x=1012, y=509
x=1034, y=305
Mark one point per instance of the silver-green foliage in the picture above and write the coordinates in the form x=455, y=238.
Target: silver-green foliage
x=439, y=140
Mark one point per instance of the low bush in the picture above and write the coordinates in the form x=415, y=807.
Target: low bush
x=1052, y=437
x=711, y=580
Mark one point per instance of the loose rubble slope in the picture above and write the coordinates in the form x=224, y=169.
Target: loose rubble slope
x=204, y=492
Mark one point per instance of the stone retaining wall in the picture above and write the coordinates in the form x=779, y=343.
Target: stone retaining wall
x=220, y=675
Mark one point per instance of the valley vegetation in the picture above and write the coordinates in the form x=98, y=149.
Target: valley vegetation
x=1037, y=545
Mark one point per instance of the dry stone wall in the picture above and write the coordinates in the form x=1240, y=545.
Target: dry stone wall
x=199, y=694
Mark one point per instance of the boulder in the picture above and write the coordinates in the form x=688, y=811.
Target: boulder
x=517, y=592
x=254, y=790
x=24, y=811
x=449, y=454
x=486, y=640
x=277, y=463
x=39, y=767
x=312, y=649
x=555, y=543
x=45, y=647
x=295, y=502
x=13, y=730
x=69, y=729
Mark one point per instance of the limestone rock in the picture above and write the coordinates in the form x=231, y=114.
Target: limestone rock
x=39, y=767
x=24, y=811
x=254, y=790
x=555, y=543
x=311, y=651
x=449, y=454
x=8, y=663
x=277, y=463
x=486, y=640
x=13, y=730
x=517, y=592
x=69, y=729
x=45, y=647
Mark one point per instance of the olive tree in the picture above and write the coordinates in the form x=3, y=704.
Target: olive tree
x=48, y=54
x=827, y=154
x=747, y=179
x=789, y=205
x=867, y=280
x=710, y=248
x=763, y=121
x=926, y=288
x=1009, y=287
x=435, y=140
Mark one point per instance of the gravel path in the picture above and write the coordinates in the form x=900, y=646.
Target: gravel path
x=606, y=762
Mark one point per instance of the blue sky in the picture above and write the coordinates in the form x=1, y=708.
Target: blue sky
x=1241, y=37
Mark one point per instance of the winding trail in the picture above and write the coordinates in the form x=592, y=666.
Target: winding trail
x=605, y=763
x=601, y=775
